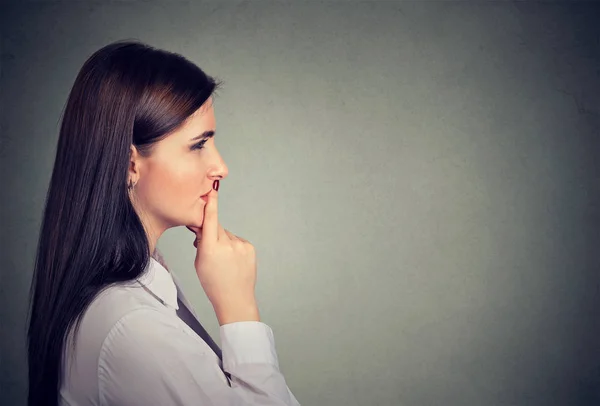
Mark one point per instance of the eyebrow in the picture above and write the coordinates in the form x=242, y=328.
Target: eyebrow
x=205, y=134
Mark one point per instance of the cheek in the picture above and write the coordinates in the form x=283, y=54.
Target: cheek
x=183, y=183
x=176, y=185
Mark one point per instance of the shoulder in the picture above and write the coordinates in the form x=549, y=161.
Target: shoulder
x=104, y=316
x=141, y=324
x=148, y=330
x=148, y=357
x=106, y=311
x=116, y=302
x=137, y=334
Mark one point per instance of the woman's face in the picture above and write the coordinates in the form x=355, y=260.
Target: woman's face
x=181, y=169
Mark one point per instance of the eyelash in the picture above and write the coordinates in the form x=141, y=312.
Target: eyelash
x=199, y=145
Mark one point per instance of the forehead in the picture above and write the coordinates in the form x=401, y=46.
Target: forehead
x=206, y=112
x=205, y=109
x=201, y=120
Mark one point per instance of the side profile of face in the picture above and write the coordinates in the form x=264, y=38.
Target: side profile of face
x=170, y=183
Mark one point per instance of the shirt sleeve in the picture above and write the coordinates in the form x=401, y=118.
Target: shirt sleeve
x=147, y=359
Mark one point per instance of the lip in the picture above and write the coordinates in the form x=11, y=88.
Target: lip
x=205, y=197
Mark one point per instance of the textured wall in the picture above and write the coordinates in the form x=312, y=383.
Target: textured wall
x=420, y=181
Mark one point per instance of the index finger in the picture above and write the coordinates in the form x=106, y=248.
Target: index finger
x=210, y=227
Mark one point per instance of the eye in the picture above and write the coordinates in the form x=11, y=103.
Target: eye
x=198, y=145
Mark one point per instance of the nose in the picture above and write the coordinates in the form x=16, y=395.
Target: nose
x=220, y=171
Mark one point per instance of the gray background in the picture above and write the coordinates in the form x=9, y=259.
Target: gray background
x=420, y=181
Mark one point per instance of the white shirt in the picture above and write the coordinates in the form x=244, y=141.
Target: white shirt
x=134, y=350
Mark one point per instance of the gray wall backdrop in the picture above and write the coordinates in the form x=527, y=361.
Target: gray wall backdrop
x=420, y=180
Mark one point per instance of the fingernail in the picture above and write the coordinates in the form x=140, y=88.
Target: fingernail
x=216, y=185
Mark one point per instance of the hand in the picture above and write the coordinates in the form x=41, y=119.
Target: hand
x=226, y=267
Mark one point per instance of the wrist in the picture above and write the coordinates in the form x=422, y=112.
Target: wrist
x=238, y=312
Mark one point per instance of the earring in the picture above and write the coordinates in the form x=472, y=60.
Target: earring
x=131, y=185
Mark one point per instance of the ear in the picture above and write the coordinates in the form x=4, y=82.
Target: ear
x=134, y=159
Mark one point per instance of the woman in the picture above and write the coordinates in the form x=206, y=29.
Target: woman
x=109, y=324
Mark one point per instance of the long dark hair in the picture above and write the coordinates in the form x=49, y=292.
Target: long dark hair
x=91, y=237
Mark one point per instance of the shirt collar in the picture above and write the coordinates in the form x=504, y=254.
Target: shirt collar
x=160, y=282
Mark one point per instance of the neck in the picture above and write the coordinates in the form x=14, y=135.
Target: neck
x=158, y=256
